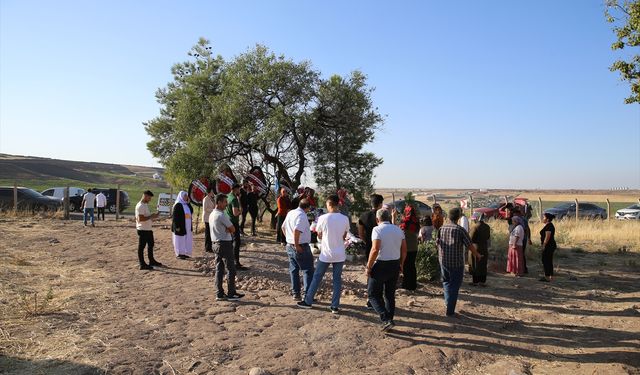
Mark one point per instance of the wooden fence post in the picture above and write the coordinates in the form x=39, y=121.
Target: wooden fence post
x=577, y=208
x=15, y=197
x=118, y=203
x=541, y=212
x=66, y=203
x=608, y=210
x=171, y=202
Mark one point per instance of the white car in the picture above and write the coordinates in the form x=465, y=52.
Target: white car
x=630, y=213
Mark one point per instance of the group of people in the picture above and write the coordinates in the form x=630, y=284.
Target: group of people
x=391, y=249
x=91, y=201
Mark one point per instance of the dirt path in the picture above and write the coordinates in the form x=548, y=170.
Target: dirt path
x=106, y=316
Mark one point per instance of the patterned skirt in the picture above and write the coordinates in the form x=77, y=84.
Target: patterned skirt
x=515, y=260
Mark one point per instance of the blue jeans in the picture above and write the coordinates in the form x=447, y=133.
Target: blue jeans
x=321, y=268
x=451, y=281
x=88, y=211
x=382, y=287
x=300, y=262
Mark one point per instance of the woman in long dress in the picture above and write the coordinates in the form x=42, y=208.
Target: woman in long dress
x=411, y=226
x=515, y=258
x=181, y=226
x=480, y=237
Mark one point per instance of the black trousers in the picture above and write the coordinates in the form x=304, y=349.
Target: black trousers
x=547, y=261
x=100, y=212
x=409, y=279
x=254, y=216
x=381, y=288
x=145, y=238
x=236, y=243
x=279, y=235
x=207, y=238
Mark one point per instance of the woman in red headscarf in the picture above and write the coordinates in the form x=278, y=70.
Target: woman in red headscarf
x=411, y=226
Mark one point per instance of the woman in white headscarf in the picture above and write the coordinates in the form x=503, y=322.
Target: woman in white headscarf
x=181, y=226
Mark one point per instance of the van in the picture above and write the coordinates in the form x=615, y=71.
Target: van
x=75, y=196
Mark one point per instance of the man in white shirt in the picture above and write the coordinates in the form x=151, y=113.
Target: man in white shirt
x=207, y=207
x=101, y=203
x=384, y=266
x=332, y=231
x=144, y=219
x=297, y=233
x=222, y=232
x=88, y=202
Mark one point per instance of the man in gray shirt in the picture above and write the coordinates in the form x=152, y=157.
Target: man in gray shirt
x=388, y=252
x=222, y=230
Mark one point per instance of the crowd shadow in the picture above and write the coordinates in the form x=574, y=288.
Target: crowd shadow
x=18, y=366
x=494, y=334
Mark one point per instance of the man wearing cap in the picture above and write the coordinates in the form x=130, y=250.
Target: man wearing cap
x=451, y=242
x=233, y=211
x=144, y=219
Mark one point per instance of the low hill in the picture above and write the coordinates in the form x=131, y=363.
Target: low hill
x=42, y=173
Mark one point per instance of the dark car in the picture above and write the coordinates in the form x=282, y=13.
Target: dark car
x=423, y=208
x=28, y=200
x=111, y=198
x=75, y=196
x=585, y=211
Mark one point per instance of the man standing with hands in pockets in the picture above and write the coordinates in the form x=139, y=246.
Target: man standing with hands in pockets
x=388, y=252
x=297, y=233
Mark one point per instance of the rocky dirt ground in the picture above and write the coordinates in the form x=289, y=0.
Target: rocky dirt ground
x=103, y=315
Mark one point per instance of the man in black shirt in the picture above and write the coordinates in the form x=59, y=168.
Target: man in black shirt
x=368, y=221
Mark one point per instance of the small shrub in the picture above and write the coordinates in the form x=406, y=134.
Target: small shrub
x=427, y=263
x=31, y=305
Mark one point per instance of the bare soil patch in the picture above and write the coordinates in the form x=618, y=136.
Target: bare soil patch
x=106, y=316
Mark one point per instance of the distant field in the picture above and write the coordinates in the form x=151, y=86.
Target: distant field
x=43, y=173
x=617, y=200
x=133, y=188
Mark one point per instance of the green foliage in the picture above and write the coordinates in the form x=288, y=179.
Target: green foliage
x=261, y=109
x=346, y=122
x=625, y=16
x=427, y=263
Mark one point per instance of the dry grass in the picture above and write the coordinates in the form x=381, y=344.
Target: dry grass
x=590, y=235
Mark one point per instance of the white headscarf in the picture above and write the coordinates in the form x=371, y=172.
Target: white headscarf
x=182, y=197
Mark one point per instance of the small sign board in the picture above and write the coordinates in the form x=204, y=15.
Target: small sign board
x=165, y=202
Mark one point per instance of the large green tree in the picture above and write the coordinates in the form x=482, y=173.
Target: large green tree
x=347, y=121
x=261, y=109
x=625, y=16
x=181, y=136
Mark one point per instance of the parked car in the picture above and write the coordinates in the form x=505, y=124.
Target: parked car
x=111, y=198
x=492, y=211
x=585, y=211
x=75, y=196
x=423, y=208
x=28, y=200
x=629, y=213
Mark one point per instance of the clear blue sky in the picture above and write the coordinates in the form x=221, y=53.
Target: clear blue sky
x=484, y=94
